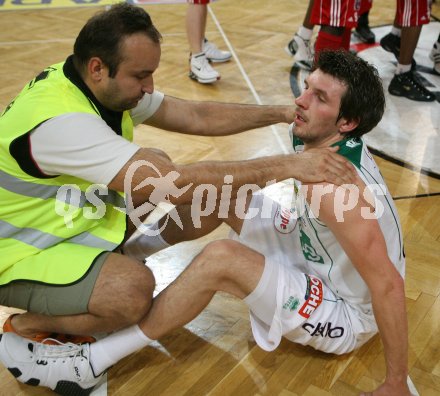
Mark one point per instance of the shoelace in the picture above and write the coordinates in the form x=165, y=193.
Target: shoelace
x=204, y=64
x=59, y=350
x=307, y=46
x=68, y=350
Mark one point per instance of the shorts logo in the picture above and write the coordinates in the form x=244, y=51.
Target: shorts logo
x=285, y=220
x=313, y=297
x=291, y=304
x=323, y=330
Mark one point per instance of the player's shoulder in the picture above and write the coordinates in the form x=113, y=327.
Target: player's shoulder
x=351, y=149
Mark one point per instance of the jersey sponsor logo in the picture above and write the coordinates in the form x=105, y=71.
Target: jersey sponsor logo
x=313, y=296
x=309, y=251
x=323, y=330
x=285, y=220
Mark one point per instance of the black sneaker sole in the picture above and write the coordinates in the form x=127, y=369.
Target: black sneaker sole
x=68, y=388
x=65, y=388
x=410, y=97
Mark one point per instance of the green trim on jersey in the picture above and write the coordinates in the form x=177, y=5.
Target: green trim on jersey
x=350, y=148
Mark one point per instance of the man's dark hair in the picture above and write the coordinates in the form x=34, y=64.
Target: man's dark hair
x=103, y=34
x=364, y=99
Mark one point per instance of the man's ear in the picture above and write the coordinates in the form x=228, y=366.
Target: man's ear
x=346, y=126
x=95, y=68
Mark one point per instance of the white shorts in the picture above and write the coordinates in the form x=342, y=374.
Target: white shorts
x=289, y=301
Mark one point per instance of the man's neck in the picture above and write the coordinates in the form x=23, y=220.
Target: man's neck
x=112, y=118
x=330, y=141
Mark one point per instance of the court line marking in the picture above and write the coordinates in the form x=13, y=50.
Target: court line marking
x=246, y=77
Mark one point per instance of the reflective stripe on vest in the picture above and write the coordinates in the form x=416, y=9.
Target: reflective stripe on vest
x=42, y=240
x=42, y=191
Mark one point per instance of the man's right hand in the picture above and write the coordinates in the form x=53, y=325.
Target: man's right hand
x=324, y=165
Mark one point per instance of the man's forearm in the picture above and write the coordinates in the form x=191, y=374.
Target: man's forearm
x=220, y=119
x=216, y=118
x=149, y=172
x=239, y=177
x=390, y=313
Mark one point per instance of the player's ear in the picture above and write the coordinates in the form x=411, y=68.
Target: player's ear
x=346, y=126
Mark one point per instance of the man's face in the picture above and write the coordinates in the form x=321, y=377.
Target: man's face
x=134, y=77
x=318, y=109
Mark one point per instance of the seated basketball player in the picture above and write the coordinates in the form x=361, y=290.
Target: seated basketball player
x=326, y=271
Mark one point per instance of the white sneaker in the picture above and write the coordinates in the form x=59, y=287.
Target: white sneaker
x=301, y=50
x=213, y=54
x=64, y=368
x=434, y=55
x=201, y=70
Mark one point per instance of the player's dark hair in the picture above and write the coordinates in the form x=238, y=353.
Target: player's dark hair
x=103, y=34
x=364, y=99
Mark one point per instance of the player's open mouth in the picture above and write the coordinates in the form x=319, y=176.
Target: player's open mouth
x=299, y=118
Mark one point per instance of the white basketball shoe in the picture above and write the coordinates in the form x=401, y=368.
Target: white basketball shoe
x=301, y=50
x=434, y=55
x=64, y=368
x=213, y=54
x=200, y=69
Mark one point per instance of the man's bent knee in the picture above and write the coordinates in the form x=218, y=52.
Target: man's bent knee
x=231, y=266
x=225, y=248
x=123, y=290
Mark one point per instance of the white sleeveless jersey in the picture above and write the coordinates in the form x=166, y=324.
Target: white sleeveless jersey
x=324, y=256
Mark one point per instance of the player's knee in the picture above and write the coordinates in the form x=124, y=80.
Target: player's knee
x=224, y=256
x=216, y=251
x=230, y=266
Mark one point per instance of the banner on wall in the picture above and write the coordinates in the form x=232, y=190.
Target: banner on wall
x=15, y=5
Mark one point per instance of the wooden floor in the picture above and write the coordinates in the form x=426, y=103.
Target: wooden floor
x=216, y=354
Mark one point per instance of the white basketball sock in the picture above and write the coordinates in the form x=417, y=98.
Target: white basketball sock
x=403, y=68
x=396, y=31
x=305, y=33
x=108, y=351
x=144, y=243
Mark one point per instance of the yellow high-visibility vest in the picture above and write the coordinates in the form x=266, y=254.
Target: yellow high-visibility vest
x=37, y=243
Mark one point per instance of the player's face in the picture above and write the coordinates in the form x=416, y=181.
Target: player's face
x=134, y=77
x=318, y=109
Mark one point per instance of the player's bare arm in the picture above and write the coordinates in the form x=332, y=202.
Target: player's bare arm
x=315, y=165
x=363, y=242
x=215, y=118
